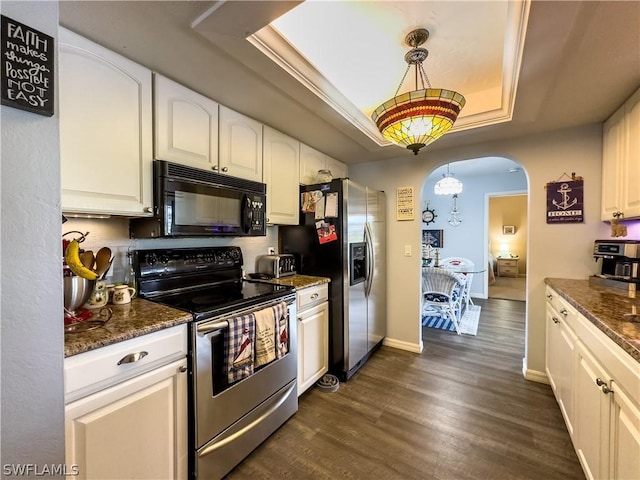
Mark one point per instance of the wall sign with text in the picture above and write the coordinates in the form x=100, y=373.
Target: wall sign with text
x=27, y=68
x=405, y=203
x=565, y=201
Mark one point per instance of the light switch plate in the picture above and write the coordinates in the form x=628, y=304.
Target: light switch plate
x=407, y=250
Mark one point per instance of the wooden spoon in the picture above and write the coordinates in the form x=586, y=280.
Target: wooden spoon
x=87, y=259
x=103, y=261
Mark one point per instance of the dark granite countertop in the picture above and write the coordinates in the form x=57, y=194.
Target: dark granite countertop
x=299, y=281
x=605, y=308
x=128, y=321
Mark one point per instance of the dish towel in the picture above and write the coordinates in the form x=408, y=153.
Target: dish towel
x=282, y=332
x=265, y=336
x=239, y=347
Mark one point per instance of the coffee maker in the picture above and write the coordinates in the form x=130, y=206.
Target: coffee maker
x=620, y=262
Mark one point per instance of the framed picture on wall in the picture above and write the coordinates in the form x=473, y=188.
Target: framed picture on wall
x=508, y=229
x=433, y=238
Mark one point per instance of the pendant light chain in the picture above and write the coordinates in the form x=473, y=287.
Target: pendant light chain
x=402, y=81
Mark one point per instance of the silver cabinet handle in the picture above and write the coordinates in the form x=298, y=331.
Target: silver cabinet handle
x=148, y=209
x=133, y=357
x=564, y=312
x=214, y=168
x=606, y=390
x=549, y=296
x=600, y=382
x=555, y=320
x=183, y=369
x=314, y=296
x=225, y=169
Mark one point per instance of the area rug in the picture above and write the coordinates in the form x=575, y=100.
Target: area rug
x=468, y=324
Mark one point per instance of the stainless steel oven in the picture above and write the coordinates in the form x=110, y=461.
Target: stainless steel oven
x=227, y=420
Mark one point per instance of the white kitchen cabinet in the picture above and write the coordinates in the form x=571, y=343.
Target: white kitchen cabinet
x=105, y=130
x=126, y=408
x=240, y=145
x=593, y=417
x=313, y=335
x=621, y=161
x=281, y=173
x=312, y=160
x=625, y=435
x=185, y=125
x=561, y=355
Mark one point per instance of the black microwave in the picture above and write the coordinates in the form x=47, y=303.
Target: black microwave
x=193, y=202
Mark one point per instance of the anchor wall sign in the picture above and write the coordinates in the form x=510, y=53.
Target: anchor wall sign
x=565, y=201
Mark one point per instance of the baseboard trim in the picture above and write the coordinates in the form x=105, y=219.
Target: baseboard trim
x=534, y=375
x=409, y=347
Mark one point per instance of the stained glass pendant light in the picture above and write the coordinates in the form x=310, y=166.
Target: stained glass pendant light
x=417, y=118
x=448, y=184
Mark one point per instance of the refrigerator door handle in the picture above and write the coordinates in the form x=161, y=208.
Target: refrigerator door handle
x=370, y=258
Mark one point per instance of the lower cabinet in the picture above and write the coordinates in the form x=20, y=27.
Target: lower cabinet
x=136, y=429
x=126, y=409
x=313, y=335
x=597, y=386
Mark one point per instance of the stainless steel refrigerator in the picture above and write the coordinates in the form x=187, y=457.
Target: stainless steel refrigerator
x=343, y=238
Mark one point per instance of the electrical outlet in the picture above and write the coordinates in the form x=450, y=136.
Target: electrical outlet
x=271, y=251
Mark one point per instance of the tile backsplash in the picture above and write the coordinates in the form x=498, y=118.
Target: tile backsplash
x=114, y=233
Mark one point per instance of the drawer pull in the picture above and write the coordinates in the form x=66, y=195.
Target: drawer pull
x=549, y=296
x=183, y=369
x=133, y=357
x=314, y=296
x=600, y=382
x=606, y=390
x=564, y=312
x=555, y=320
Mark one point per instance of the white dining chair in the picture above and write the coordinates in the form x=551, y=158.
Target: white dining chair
x=442, y=294
x=460, y=264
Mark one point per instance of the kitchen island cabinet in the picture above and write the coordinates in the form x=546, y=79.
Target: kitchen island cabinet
x=105, y=130
x=126, y=408
x=602, y=375
x=185, y=125
x=281, y=173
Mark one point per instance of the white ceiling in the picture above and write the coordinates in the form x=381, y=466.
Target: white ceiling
x=580, y=61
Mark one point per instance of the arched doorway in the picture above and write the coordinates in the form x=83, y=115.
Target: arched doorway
x=469, y=236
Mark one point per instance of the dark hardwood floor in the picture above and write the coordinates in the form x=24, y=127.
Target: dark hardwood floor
x=459, y=410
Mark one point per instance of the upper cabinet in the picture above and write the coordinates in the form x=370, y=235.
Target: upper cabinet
x=186, y=125
x=621, y=161
x=240, y=145
x=281, y=172
x=105, y=130
x=312, y=160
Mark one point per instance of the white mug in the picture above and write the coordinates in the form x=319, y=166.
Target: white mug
x=99, y=296
x=123, y=294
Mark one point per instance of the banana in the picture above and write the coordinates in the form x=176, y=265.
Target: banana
x=72, y=257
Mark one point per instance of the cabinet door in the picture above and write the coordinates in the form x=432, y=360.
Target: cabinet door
x=612, y=150
x=105, y=130
x=338, y=169
x=553, y=355
x=186, y=125
x=281, y=173
x=311, y=160
x=625, y=436
x=630, y=171
x=593, y=408
x=136, y=429
x=313, y=345
x=240, y=145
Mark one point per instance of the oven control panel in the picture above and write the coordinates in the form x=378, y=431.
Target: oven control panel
x=178, y=261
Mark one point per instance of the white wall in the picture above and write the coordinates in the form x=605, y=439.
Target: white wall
x=31, y=274
x=469, y=238
x=553, y=250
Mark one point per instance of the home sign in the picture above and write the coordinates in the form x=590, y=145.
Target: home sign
x=27, y=68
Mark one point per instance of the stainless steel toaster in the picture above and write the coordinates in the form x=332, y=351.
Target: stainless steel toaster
x=278, y=265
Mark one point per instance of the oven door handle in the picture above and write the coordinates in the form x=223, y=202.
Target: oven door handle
x=210, y=327
x=252, y=425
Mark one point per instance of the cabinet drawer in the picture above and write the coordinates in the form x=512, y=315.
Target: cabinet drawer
x=508, y=269
x=97, y=369
x=508, y=263
x=564, y=311
x=310, y=296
